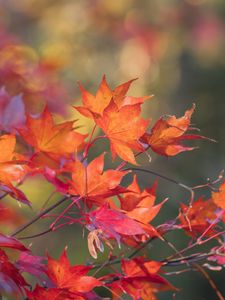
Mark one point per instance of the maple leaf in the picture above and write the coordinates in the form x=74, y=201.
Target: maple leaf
x=123, y=127
x=118, y=116
x=167, y=135
x=140, y=279
x=9, y=215
x=197, y=218
x=51, y=176
x=92, y=183
x=110, y=223
x=13, y=167
x=140, y=206
x=219, y=197
x=11, y=281
x=10, y=242
x=55, y=140
x=95, y=105
x=71, y=278
x=40, y=293
x=31, y=264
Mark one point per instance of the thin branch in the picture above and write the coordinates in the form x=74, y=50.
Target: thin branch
x=141, y=247
x=35, y=235
x=211, y=282
x=197, y=243
x=190, y=259
x=163, y=177
x=64, y=212
x=37, y=217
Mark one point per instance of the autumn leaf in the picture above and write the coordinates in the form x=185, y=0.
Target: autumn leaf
x=13, y=168
x=120, y=95
x=167, y=135
x=10, y=242
x=92, y=183
x=9, y=215
x=219, y=197
x=71, y=278
x=31, y=264
x=40, y=293
x=95, y=105
x=11, y=281
x=55, y=140
x=123, y=127
x=118, y=116
x=110, y=223
x=197, y=218
x=140, y=205
x=140, y=279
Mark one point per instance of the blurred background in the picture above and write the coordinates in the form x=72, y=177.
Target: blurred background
x=176, y=49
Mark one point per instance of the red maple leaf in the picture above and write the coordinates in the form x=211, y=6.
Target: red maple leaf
x=140, y=279
x=11, y=281
x=10, y=242
x=31, y=264
x=140, y=206
x=13, y=168
x=106, y=223
x=219, y=197
x=71, y=278
x=92, y=183
x=40, y=293
x=197, y=218
x=167, y=135
x=10, y=216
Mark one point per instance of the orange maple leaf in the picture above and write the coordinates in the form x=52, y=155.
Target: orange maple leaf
x=140, y=207
x=95, y=105
x=71, y=278
x=141, y=279
x=40, y=293
x=219, y=197
x=167, y=135
x=13, y=167
x=55, y=140
x=196, y=219
x=123, y=127
x=92, y=183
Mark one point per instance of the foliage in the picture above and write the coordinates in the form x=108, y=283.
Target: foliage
x=115, y=215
